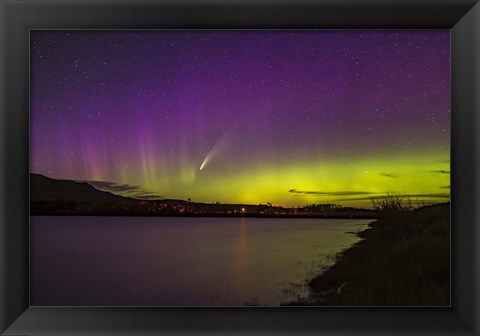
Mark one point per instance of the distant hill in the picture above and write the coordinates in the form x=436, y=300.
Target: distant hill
x=43, y=188
x=65, y=197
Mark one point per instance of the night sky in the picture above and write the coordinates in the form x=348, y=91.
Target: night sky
x=286, y=117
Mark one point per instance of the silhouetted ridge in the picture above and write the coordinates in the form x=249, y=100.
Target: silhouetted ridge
x=65, y=197
x=43, y=188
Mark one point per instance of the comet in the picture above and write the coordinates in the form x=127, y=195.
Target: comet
x=204, y=162
x=218, y=148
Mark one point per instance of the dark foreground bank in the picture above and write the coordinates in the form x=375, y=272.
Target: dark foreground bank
x=403, y=260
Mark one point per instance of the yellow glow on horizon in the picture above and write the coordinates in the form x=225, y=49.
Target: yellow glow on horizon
x=346, y=182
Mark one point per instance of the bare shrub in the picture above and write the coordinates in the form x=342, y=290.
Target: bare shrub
x=392, y=201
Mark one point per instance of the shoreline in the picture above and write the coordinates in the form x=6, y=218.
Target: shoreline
x=403, y=259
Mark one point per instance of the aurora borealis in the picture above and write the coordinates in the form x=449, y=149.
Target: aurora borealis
x=286, y=117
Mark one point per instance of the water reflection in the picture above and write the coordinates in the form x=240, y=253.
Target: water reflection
x=242, y=248
x=131, y=261
x=241, y=272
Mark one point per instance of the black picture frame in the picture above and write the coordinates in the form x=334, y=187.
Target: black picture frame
x=17, y=17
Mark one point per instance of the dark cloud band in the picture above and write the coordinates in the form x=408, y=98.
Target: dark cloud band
x=328, y=193
x=441, y=171
x=128, y=190
x=390, y=175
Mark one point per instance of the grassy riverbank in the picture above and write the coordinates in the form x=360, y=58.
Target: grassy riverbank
x=403, y=260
